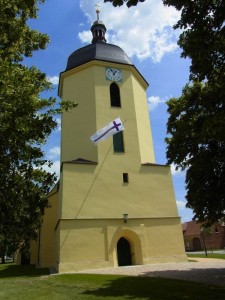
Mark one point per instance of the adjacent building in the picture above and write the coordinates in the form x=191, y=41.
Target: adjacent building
x=198, y=238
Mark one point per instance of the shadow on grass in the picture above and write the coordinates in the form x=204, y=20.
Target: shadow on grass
x=12, y=270
x=156, y=289
x=213, y=276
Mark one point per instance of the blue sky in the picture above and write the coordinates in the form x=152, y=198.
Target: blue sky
x=145, y=33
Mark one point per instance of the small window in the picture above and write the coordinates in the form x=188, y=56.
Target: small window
x=216, y=230
x=115, y=95
x=118, y=142
x=125, y=178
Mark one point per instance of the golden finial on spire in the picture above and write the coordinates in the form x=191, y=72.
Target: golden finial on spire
x=97, y=11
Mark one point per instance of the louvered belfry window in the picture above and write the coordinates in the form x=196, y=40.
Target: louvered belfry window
x=118, y=145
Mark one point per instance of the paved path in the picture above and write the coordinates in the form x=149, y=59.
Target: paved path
x=211, y=271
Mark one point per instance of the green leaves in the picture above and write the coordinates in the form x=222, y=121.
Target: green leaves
x=16, y=38
x=203, y=38
x=196, y=124
x=26, y=120
x=129, y=3
x=197, y=143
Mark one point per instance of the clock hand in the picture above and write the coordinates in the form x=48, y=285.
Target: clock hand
x=114, y=72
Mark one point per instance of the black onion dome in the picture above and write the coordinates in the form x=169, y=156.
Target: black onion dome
x=98, y=30
x=97, y=51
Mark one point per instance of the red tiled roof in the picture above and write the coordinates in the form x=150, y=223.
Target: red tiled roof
x=191, y=228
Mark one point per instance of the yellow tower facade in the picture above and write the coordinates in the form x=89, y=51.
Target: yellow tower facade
x=114, y=205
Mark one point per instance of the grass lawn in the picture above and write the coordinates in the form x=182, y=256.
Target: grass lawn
x=26, y=282
x=210, y=255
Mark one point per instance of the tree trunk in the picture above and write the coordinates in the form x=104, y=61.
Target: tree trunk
x=3, y=259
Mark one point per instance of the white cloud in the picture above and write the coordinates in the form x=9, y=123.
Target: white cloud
x=181, y=204
x=85, y=36
x=54, y=152
x=142, y=31
x=55, y=168
x=53, y=155
x=53, y=79
x=176, y=172
x=185, y=213
x=154, y=101
x=58, y=121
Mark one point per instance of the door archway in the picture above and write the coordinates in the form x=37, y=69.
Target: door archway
x=123, y=252
x=196, y=244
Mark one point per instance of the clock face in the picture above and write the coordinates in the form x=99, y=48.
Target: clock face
x=113, y=74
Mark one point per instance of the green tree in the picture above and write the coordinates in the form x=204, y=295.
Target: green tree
x=26, y=120
x=129, y=3
x=196, y=123
x=203, y=36
x=197, y=144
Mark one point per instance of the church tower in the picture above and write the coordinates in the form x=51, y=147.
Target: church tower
x=114, y=205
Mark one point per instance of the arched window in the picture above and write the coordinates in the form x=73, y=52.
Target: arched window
x=118, y=142
x=115, y=95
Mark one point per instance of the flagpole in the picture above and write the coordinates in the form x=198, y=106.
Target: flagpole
x=88, y=192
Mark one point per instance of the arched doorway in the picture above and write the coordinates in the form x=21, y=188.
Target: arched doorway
x=123, y=252
x=196, y=244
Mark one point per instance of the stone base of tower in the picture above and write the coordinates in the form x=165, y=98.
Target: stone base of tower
x=98, y=244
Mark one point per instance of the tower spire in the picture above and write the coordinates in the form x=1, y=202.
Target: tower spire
x=98, y=29
x=97, y=11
